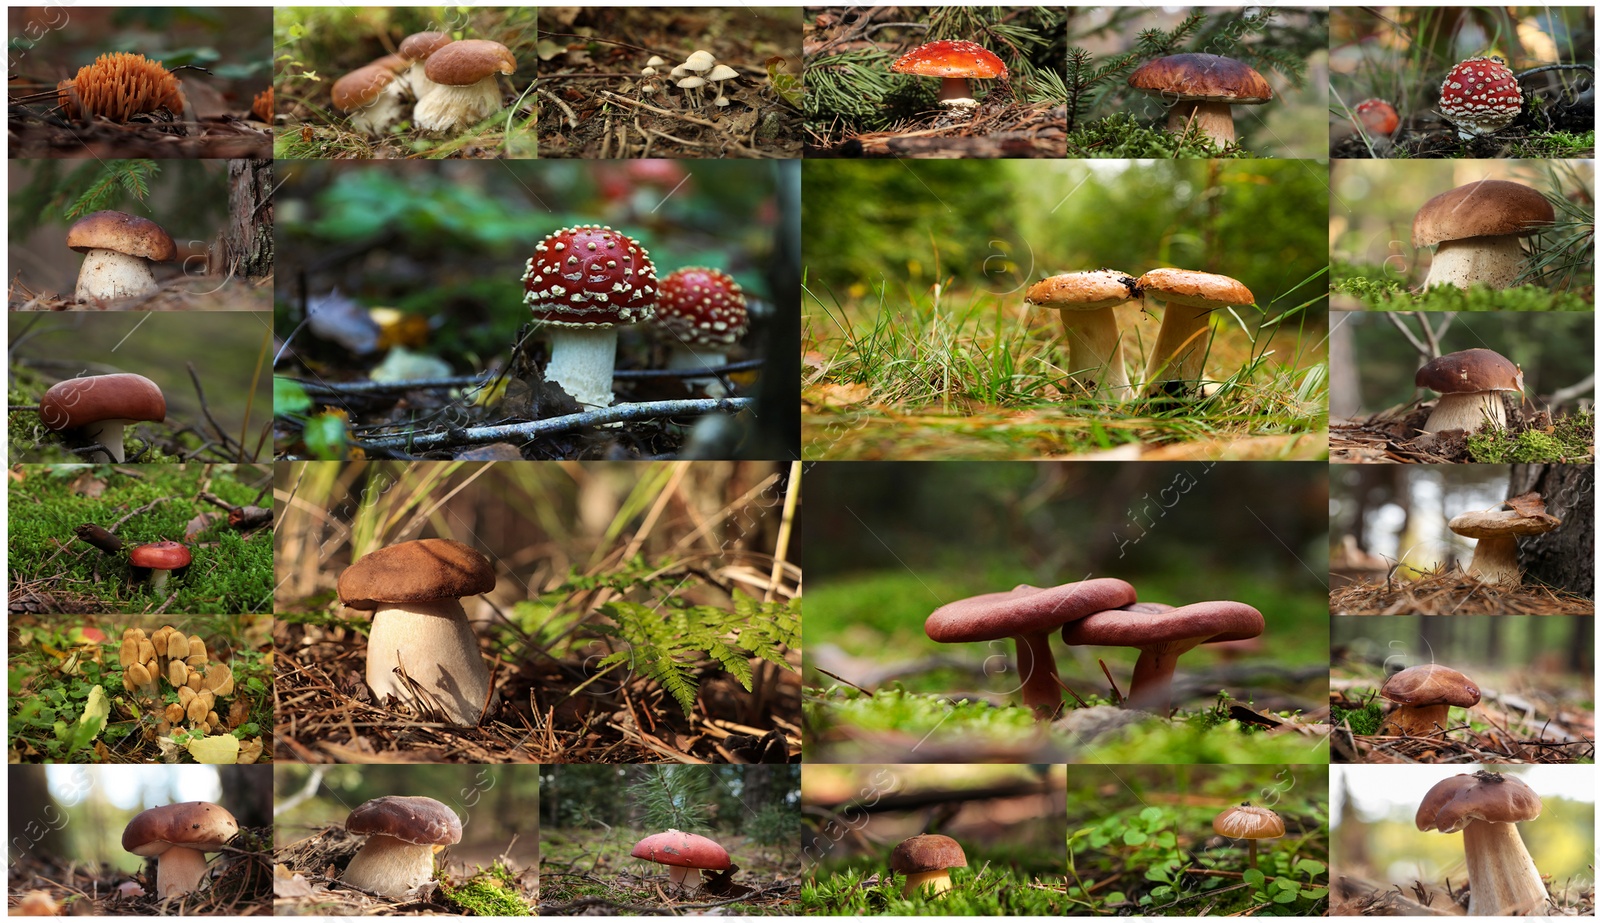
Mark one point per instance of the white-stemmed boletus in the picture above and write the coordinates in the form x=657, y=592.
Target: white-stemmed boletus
x=96, y=409
x=1201, y=89
x=161, y=559
x=926, y=861
x=1480, y=96
x=1422, y=696
x=118, y=249
x=1494, y=560
x=1478, y=229
x=371, y=96
x=1162, y=634
x=1088, y=302
x=1028, y=615
x=1486, y=808
x=584, y=282
x=687, y=854
x=954, y=62
x=1469, y=383
x=417, y=48
x=179, y=836
x=1249, y=823
x=1177, y=361
x=402, y=832
x=703, y=312
x=466, y=87
x=414, y=591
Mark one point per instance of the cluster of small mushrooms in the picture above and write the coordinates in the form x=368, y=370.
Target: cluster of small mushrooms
x=178, y=836
x=698, y=73
x=452, y=83
x=199, y=683
x=92, y=412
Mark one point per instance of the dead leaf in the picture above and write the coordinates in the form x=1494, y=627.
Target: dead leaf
x=198, y=525
x=838, y=395
x=87, y=485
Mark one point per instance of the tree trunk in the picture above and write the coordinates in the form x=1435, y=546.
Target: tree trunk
x=1344, y=384
x=1563, y=558
x=247, y=240
x=36, y=820
x=247, y=794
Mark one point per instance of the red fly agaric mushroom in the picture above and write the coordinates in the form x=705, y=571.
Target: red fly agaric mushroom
x=1495, y=558
x=371, y=96
x=1161, y=638
x=1177, y=362
x=584, y=282
x=1486, y=807
x=465, y=86
x=1469, y=383
x=96, y=409
x=1249, y=823
x=1201, y=89
x=1480, y=96
x=1088, y=302
x=401, y=833
x=1423, y=695
x=414, y=590
x=926, y=861
x=1477, y=228
x=118, y=249
x=417, y=49
x=704, y=312
x=1028, y=614
x=161, y=559
x=1377, y=118
x=954, y=62
x=688, y=854
x=179, y=836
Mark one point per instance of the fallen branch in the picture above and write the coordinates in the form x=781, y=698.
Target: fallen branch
x=533, y=429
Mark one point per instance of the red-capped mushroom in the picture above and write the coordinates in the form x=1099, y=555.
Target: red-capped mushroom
x=687, y=854
x=95, y=410
x=954, y=62
x=1377, y=118
x=1480, y=96
x=703, y=310
x=1162, y=634
x=161, y=559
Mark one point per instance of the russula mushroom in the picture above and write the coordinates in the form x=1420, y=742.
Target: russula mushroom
x=1469, y=383
x=1376, y=118
x=954, y=62
x=1162, y=634
x=401, y=832
x=1480, y=96
x=688, y=854
x=1249, y=823
x=161, y=559
x=119, y=86
x=96, y=409
x=1177, y=362
x=1495, y=558
x=179, y=836
x=118, y=249
x=926, y=861
x=417, y=48
x=1485, y=807
x=584, y=282
x=465, y=86
x=1478, y=229
x=703, y=312
x=1088, y=302
x=371, y=95
x=1202, y=88
x=414, y=591
x=1423, y=695
x=1028, y=614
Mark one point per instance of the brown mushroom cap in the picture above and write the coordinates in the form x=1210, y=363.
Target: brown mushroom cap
x=160, y=556
x=1083, y=291
x=1487, y=796
x=1208, y=621
x=1502, y=524
x=928, y=852
x=684, y=850
x=1470, y=370
x=1248, y=822
x=124, y=233
x=419, y=46
x=413, y=819
x=1486, y=208
x=80, y=402
x=951, y=58
x=468, y=61
x=192, y=824
x=1430, y=684
x=1202, y=78
x=361, y=86
x=426, y=569
x=1025, y=610
x=1200, y=289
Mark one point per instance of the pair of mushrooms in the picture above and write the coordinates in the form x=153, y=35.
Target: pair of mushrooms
x=455, y=84
x=1088, y=302
x=1099, y=611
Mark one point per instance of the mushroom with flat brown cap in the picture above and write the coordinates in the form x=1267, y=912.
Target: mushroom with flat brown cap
x=926, y=861
x=1423, y=695
x=1028, y=614
x=954, y=62
x=118, y=249
x=1201, y=89
x=401, y=832
x=414, y=592
x=465, y=88
x=161, y=559
x=372, y=96
x=1088, y=302
x=1250, y=823
x=687, y=854
x=417, y=48
x=1469, y=383
x=1478, y=229
x=1161, y=637
x=1495, y=558
x=1486, y=808
x=1177, y=361
x=95, y=410
x=179, y=836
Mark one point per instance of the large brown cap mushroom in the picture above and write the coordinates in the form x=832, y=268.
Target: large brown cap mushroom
x=1470, y=370
x=79, y=402
x=1431, y=684
x=413, y=819
x=1161, y=637
x=927, y=852
x=1202, y=77
x=468, y=61
x=1494, y=560
x=124, y=233
x=1486, y=807
x=684, y=850
x=429, y=568
x=1486, y=208
x=1488, y=796
x=194, y=824
x=362, y=86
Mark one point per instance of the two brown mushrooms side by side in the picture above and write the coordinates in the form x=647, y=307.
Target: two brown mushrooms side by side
x=454, y=85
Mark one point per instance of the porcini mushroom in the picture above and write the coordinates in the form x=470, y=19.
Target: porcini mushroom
x=179, y=836
x=926, y=861
x=1088, y=302
x=1423, y=695
x=118, y=249
x=1480, y=96
x=1495, y=558
x=688, y=854
x=1486, y=807
x=954, y=62
x=465, y=88
x=96, y=409
x=1478, y=229
x=1202, y=89
x=401, y=832
x=161, y=559
x=1469, y=383
x=1028, y=614
x=703, y=311
x=1178, y=359
x=417, y=48
x=585, y=282
x=371, y=95
x=1249, y=823
x=1162, y=635
x=414, y=592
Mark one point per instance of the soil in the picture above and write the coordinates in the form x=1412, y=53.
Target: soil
x=182, y=294
x=1398, y=438
x=1431, y=137
x=241, y=885
x=36, y=134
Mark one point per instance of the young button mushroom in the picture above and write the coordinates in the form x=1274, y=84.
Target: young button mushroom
x=687, y=853
x=414, y=592
x=1423, y=696
x=466, y=87
x=926, y=861
x=1202, y=88
x=1249, y=823
x=954, y=63
x=704, y=312
x=1177, y=363
x=96, y=409
x=1485, y=807
x=1480, y=96
x=1088, y=302
x=1495, y=558
x=417, y=48
x=179, y=836
x=1028, y=614
x=161, y=559
x=1469, y=383
x=118, y=249
x=1478, y=229
x=401, y=833
x=1161, y=638
x=371, y=95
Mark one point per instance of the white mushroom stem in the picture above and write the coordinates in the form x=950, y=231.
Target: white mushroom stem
x=684, y=356
x=935, y=882
x=158, y=579
x=581, y=362
x=375, y=118
x=685, y=877
x=417, y=79
x=1094, y=350
x=1495, y=561
x=390, y=866
x=1468, y=410
x=109, y=434
x=1504, y=880
x=1214, y=120
x=1492, y=261
x=447, y=108
x=179, y=870
x=1179, y=355
x=107, y=274
x=956, y=93
x=434, y=642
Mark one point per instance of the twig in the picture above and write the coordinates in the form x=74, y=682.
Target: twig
x=534, y=429
x=205, y=408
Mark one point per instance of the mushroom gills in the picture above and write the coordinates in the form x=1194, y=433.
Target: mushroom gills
x=107, y=274
x=1492, y=261
x=446, y=108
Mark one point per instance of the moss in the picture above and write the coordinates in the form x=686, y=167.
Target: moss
x=1120, y=136
x=489, y=894
x=1570, y=440
x=1363, y=721
x=1371, y=286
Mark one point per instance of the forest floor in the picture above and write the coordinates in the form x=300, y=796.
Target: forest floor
x=1568, y=135
x=587, y=873
x=1355, y=896
x=37, y=133
x=1453, y=592
x=1397, y=436
x=242, y=886
x=186, y=293
x=1372, y=288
